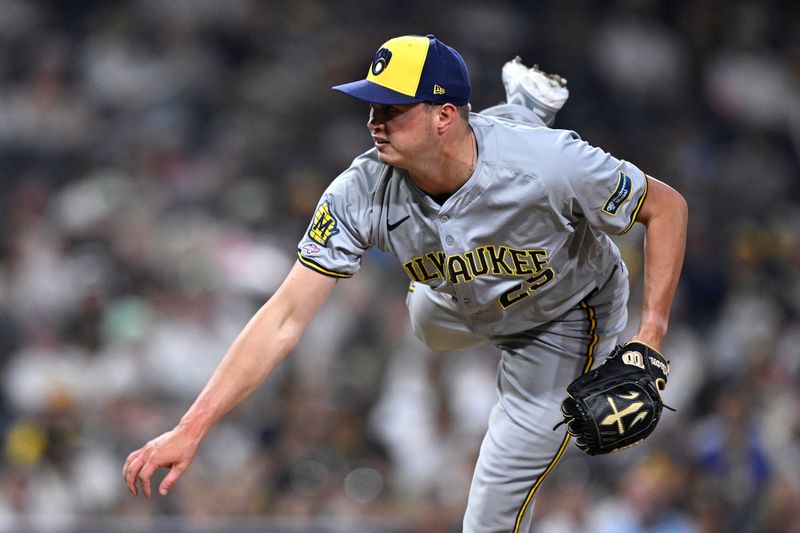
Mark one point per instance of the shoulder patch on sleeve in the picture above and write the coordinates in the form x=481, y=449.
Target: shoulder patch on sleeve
x=324, y=224
x=620, y=195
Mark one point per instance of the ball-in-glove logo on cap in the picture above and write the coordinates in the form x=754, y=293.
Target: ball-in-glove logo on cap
x=381, y=61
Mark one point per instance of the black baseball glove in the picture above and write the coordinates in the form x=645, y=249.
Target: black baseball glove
x=617, y=404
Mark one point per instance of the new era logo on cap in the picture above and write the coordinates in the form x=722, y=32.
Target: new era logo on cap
x=411, y=69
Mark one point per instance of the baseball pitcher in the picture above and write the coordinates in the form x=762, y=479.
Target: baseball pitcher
x=502, y=225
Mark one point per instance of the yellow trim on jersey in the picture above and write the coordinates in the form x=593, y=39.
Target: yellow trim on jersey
x=594, y=338
x=592, y=331
x=404, y=69
x=319, y=268
x=638, y=207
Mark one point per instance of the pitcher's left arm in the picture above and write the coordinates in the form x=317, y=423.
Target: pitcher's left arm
x=664, y=214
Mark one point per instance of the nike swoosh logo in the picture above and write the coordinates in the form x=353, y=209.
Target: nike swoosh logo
x=392, y=227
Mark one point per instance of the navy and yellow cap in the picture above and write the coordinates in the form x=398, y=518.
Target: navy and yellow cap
x=412, y=69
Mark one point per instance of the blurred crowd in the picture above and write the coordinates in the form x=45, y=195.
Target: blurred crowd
x=160, y=159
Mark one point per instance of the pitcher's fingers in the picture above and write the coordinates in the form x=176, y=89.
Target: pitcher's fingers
x=169, y=480
x=131, y=472
x=128, y=460
x=146, y=472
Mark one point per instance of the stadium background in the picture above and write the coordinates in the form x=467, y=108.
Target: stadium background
x=159, y=160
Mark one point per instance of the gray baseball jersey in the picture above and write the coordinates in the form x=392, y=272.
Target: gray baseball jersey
x=520, y=243
x=519, y=257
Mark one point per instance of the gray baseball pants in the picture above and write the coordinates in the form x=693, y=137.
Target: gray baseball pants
x=520, y=447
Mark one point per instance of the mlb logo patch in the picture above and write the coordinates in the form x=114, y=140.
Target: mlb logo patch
x=311, y=249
